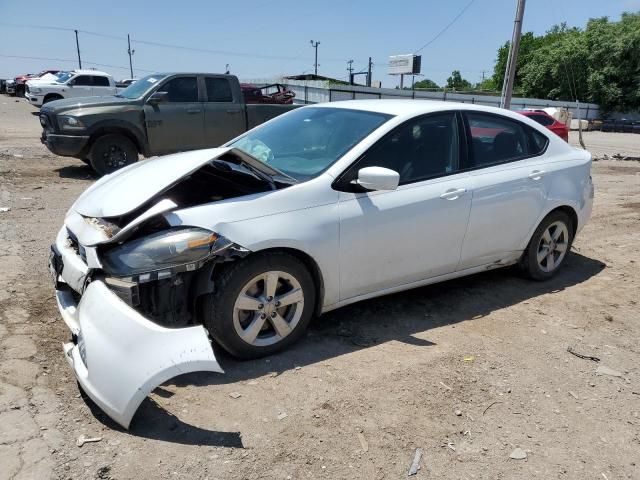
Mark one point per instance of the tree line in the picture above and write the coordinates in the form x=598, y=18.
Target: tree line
x=599, y=64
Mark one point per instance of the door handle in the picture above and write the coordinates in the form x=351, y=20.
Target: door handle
x=232, y=111
x=537, y=174
x=193, y=110
x=453, y=193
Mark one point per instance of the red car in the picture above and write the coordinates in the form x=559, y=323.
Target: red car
x=22, y=79
x=546, y=120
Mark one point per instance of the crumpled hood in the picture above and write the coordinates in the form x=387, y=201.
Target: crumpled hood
x=127, y=189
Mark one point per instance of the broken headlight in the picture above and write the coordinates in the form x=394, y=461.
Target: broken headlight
x=161, y=254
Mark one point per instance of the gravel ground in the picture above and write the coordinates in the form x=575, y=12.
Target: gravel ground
x=470, y=371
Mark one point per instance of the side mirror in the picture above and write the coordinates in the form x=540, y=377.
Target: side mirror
x=378, y=178
x=70, y=83
x=158, y=97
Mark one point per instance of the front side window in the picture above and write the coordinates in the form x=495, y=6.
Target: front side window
x=419, y=149
x=181, y=89
x=307, y=141
x=542, y=120
x=496, y=139
x=100, y=81
x=141, y=87
x=218, y=89
x=82, y=80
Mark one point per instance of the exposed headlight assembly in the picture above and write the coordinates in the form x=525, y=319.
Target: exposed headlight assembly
x=68, y=122
x=162, y=254
x=34, y=90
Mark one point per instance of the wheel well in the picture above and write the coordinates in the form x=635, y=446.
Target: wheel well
x=112, y=130
x=313, y=268
x=572, y=215
x=56, y=95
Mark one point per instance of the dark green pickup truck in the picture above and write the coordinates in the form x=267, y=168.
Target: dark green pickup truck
x=159, y=114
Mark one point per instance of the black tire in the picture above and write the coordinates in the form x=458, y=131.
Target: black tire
x=20, y=90
x=218, y=307
x=86, y=160
x=51, y=98
x=529, y=264
x=112, y=152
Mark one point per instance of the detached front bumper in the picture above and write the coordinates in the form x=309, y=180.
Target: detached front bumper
x=117, y=355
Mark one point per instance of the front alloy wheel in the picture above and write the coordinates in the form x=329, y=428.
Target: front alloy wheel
x=261, y=304
x=268, y=308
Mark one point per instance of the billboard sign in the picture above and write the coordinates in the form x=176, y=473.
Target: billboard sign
x=405, y=64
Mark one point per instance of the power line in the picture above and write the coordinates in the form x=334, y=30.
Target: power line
x=68, y=60
x=445, y=28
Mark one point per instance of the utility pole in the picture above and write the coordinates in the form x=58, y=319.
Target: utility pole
x=130, y=52
x=369, y=73
x=350, y=70
x=315, y=45
x=226, y=69
x=512, y=59
x=78, y=49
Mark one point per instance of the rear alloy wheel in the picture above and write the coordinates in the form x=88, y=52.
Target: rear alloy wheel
x=112, y=152
x=548, y=247
x=261, y=304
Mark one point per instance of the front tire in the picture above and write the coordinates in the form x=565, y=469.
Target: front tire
x=548, y=247
x=112, y=152
x=52, y=98
x=261, y=304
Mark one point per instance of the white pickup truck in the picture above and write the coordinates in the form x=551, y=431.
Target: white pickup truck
x=76, y=83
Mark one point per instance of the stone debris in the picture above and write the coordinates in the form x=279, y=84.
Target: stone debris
x=415, y=464
x=518, y=454
x=602, y=370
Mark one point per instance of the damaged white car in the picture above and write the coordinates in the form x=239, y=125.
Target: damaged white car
x=321, y=207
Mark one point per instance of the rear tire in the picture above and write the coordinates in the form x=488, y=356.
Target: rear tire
x=261, y=304
x=548, y=247
x=112, y=152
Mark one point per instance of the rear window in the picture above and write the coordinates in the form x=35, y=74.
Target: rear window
x=542, y=119
x=100, y=81
x=497, y=139
x=218, y=89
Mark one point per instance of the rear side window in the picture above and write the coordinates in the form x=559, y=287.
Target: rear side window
x=182, y=89
x=82, y=80
x=496, y=140
x=218, y=89
x=100, y=81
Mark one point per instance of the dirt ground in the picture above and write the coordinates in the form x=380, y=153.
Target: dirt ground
x=467, y=371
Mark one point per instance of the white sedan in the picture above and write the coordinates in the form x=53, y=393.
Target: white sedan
x=319, y=208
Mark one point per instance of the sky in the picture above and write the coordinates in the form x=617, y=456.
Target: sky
x=262, y=39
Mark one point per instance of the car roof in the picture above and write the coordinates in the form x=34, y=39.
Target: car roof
x=90, y=72
x=410, y=107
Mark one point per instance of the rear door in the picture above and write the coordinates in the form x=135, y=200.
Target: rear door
x=80, y=86
x=508, y=174
x=101, y=86
x=224, y=116
x=177, y=124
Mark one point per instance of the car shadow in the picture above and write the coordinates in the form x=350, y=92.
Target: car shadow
x=158, y=424
x=396, y=317
x=36, y=113
x=81, y=171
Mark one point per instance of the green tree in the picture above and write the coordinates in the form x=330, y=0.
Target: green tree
x=600, y=63
x=426, y=83
x=456, y=82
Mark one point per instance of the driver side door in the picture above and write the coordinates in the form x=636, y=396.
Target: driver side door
x=177, y=124
x=394, y=238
